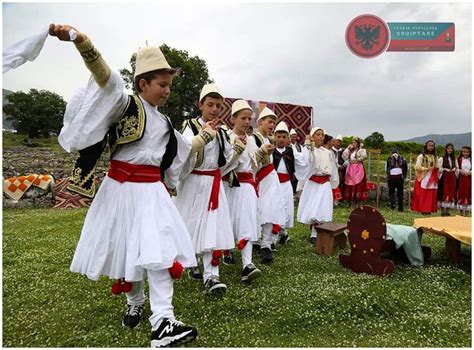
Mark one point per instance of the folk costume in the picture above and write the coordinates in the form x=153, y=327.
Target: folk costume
x=426, y=184
x=297, y=146
x=341, y=169
x=464, y=184
x=132, y=228
x=242, y=195
x=201, y=199
x=316, y=166
x=270, y=202
x=396, y=167
x=284, y=163
x=355, y=180
x=447, y=176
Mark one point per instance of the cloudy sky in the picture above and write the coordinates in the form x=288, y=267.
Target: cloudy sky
x=280, y=52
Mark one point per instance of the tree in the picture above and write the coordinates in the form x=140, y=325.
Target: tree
x=36, y=113
x=186, y=87
x=375, y=140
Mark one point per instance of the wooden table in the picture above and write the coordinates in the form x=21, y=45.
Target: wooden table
x=442, y=227
x=330, y=234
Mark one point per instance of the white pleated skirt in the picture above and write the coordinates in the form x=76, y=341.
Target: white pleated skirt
x=129, y=228
x=289, y=203
x=243, y=211
x=316, y=203
x=209, y=230
x=271, y=207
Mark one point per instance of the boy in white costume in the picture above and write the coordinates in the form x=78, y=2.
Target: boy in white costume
x=284, y=162
x=201, y=197
x=242, y=193
x=316, y=166
x=270, y=201
x=132, y=228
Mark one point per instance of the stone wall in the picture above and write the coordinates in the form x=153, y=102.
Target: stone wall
x=18, y=161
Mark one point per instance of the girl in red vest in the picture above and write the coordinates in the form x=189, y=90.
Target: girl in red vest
x=447, y=179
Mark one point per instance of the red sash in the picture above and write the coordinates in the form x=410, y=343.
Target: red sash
x=126, y=172
x=320, y=179
x=248, y=178
x=283, y=177
x=214, y=198
x=262, y=173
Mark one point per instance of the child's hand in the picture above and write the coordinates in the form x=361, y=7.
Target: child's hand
x=66, y=33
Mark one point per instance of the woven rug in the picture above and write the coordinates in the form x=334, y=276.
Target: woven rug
x=66, y=199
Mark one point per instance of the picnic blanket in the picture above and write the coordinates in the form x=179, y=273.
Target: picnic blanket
x=457, y=227
x=15, y=187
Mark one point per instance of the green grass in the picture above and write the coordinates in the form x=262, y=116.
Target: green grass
x=302, y=300
x=15, y=140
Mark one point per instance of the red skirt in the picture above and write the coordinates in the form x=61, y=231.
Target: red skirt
x=449, y=187
x=464, y=191
x=357, y=192
x=424, y=200
x=336, y=194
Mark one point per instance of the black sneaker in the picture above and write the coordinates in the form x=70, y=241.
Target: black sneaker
x=284, y=239
x=195, y=274
x=133, y=316
x=256, y=247
x=213, y=286
x=266, y=256
x=312, y=240
x=250, y=273
x=172, y=333
x=273, y=247
x=229, y=259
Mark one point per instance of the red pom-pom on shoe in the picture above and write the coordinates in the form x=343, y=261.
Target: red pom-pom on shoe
x=176, y=270
x=276, y=229
x=116, y=288
x=127, y=287
x=216, y=254
x=215, y=262
x=242, y=243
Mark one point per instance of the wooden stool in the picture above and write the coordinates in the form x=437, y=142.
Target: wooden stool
x=329, y=234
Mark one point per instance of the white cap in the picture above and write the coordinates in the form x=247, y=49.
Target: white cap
x=239, y=105
x=267, y=112
x=150, y=58
x=282, y=127
x=293, y=132
x=209, y=88
x=338, y=137
x=313, y=130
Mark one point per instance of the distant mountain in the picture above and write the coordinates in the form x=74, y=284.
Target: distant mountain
x=6, y=124
x=458, y=140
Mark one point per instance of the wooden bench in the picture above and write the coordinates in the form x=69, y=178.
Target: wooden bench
x=329, y=235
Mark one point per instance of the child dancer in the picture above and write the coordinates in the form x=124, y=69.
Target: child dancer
x=270, y=202
x=284, y=162
x=242, y=193
x=317, y=165
x=200, y=197
x=132, y=228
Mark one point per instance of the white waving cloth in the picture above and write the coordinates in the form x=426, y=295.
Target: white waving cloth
x=24, y=50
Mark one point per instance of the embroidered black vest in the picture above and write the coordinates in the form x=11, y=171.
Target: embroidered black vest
x=222, y=137
x=129, y=128
x=288, y=157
